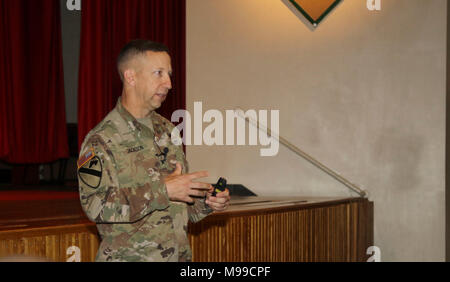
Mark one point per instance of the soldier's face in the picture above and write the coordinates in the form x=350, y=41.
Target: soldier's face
x=154, y=79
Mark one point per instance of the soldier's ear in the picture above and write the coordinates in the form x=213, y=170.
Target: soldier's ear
x=129, y=77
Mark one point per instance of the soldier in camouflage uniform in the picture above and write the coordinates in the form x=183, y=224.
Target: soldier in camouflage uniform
x=134, y=180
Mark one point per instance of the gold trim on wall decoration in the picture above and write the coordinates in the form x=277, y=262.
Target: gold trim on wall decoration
x=314, y=11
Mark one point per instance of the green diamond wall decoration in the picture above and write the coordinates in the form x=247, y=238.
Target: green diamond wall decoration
x=313, y=10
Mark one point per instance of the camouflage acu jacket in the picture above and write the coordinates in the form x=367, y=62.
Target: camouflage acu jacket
x=121, y=170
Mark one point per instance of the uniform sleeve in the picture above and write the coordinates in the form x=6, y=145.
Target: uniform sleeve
x=199, y=210
x=102, y=196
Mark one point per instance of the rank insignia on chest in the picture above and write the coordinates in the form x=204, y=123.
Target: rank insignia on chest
x=91, y=172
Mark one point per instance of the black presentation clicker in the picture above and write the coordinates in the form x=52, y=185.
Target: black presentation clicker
x=219, y=186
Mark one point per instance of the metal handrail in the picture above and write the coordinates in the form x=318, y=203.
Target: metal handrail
x=304, y=155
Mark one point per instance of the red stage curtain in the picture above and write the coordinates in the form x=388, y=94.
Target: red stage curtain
x=106, y=27
x=32, y=111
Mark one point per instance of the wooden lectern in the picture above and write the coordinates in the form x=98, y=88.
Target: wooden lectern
x=253, y=229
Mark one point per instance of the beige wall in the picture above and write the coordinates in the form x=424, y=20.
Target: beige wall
x=364, y=93
x=71, y=33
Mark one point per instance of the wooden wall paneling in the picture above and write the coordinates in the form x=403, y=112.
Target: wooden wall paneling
x=323, y=231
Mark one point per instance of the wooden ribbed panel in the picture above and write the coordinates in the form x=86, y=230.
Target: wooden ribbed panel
x=50, y=243
x=40, y=246
x=45, y=247
x=331, y=233
x=318, y=230
x=87, y=243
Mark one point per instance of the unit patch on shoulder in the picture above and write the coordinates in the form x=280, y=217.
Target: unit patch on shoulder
x=91, y=172
x=85, y=158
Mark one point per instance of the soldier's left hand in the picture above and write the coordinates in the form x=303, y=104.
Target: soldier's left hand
x=220, y=202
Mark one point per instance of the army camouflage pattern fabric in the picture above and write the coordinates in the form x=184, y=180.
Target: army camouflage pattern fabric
x=121, y=174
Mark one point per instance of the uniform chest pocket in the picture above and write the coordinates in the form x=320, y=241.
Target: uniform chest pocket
x=138, y=165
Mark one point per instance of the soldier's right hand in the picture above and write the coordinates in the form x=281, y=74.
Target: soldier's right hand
x=181, y=187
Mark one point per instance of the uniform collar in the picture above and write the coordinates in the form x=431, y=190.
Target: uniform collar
x=129, y=119
x=134, y=124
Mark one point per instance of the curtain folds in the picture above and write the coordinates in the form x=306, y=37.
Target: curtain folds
x=32, y=105
x=106, y=27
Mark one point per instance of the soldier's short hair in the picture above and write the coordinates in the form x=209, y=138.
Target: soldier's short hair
x=135, y=48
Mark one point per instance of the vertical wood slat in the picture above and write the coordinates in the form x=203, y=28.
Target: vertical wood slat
x=86, y=242
x=338, y=232
x=332, y=233
x=36, y=247
x=50, y=244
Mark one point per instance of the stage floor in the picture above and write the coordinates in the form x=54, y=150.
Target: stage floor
x=38, y=195
x=30, y=209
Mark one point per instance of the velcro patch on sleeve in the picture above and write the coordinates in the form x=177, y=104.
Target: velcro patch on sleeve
x=91, y=172
x=86, y=157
